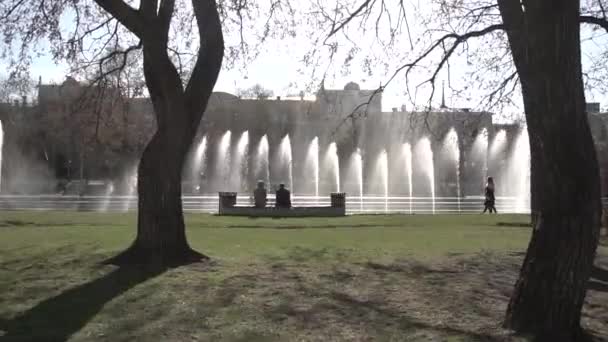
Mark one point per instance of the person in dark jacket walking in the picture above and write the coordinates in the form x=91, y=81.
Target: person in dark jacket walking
x=489, y=203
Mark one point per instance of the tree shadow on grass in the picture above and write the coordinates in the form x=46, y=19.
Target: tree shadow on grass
x=57, y=318
x=344, y=312
x=308, y=226
x=514, y=224
x=20, y=223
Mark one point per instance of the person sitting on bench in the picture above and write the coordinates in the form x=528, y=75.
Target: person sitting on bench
x=259, y=196
x=283, y=197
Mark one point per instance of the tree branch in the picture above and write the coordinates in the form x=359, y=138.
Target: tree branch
x=210, y=55
x=514, y=21
x=125, y=14
x=165, y=13
x=349, y=19
x=588, y=19
x=148, y=8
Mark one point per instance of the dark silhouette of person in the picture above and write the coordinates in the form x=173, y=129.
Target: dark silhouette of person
x=490, y=199
x=259, y=196
x=283, y=197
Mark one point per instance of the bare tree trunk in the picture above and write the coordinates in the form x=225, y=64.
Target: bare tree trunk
x=550, y=291
x=535, y=194
x=161, y=236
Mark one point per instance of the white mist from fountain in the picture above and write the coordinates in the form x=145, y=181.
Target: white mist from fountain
x=383, y=168
x=262, y=164
x=312, y=160
x=498, y=144
x=450, y=144
x=496, y=155
x=223, y=160
x=519, y=171
x=131, y=188
x=1, y=143
x=358, y=160
x=424, y=155
x=331, y=158
x=407, y=156
x=107, y=197
x=286, y=160
x=479, y=150
x=239, y=166
x=199, y=161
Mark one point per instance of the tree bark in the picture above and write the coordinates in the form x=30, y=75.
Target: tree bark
x=550, y=291
x=161, y=236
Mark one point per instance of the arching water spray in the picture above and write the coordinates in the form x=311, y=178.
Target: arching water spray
x=425, y=158
x=199, y=161
x=383, y=167
x=1, y=143
x=358, y=161
x=407, y=156
x=223, y=159
x=479, y=150
x=312, y=159
x=498, y=144
x=239, y=167
x=262, y=164
x=496, y=154
x=107, y=196
x=332, y=158
x=285, y=157
x=520, y=169
x=479, y=155
x=131, y=188
x=450, y=144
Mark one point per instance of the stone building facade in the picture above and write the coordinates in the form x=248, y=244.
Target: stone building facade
x=80, y=132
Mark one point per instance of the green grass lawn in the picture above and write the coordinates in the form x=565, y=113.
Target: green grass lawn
x=377, y=277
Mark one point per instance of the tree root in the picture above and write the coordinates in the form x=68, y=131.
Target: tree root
x=163, y=258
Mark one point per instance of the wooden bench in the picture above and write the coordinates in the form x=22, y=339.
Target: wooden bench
x=229, y=207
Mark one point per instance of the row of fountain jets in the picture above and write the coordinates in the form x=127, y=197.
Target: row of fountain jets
x=234, y=162
x=516, y=174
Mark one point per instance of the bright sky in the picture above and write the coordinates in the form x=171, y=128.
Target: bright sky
x=277, y=67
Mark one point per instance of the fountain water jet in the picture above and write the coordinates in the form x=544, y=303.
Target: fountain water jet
x=286, y=160
x=479, y=158
x=131, y=188
x=450, y=145
x=107, y=197
x=424, y=155
x=358, y=159
x=496, y=158
x=407, y=156
x=519, y=171
x=1, y=143
x=262, y=164
x=199, y=161
x=383, y=168
x=312, y=158
x=223, y=160
x=479, y=150
x=331, y=158
x=498, y=144
x=239, y=163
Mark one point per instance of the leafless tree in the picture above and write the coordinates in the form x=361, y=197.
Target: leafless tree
x=12, y=89
x=514, y=46
x=257, y=91
x=182, y=48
